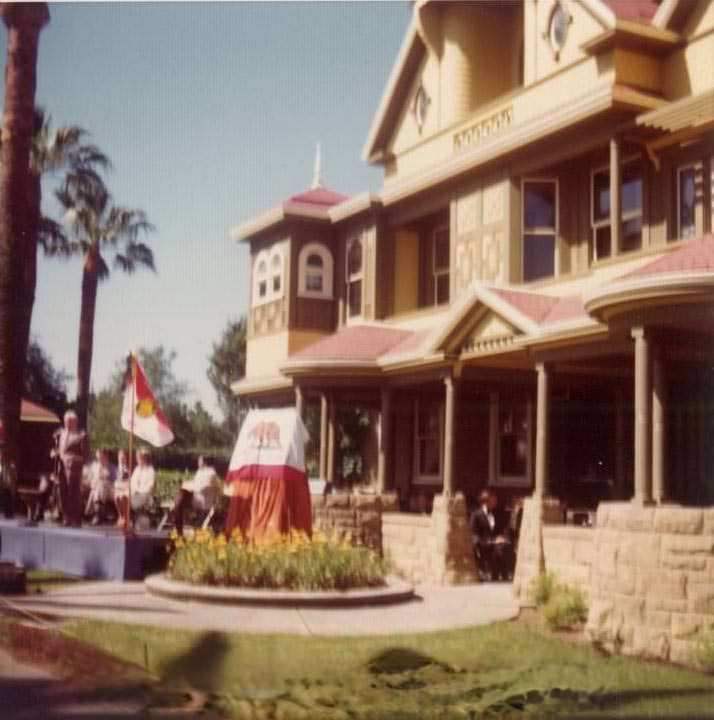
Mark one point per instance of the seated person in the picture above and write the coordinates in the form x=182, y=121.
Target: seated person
x=102, y=476
x=137, y=492
x=8, y=484
x=494, y=552
x=198, y=493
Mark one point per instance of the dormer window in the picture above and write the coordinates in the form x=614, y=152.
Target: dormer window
x=353, y=276
x=260, y=278
x=315, y=272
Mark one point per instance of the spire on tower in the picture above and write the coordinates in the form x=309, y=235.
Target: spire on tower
x=317, y=176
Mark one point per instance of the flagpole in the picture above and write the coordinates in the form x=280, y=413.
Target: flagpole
x=127, y=511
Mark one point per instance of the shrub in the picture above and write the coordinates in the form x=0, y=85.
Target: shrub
x=565, y=608
x=293, y=562
x=703, y=654
x=542, y=588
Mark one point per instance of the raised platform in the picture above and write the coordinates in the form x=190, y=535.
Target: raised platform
x=103, y=553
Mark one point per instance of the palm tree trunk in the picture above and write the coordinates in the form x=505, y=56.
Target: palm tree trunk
x=90, y=280
x=23, y=22
x=33, y=198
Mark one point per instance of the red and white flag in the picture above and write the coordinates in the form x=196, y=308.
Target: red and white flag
x=140, y=413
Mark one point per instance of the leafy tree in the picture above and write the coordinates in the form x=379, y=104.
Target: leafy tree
x=44, y=384
x=226, y=365
x=99, y=229
x=193, y=427
x=24, y=21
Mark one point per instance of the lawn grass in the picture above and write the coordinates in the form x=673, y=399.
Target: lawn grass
x=505, y=670
x=39, y=581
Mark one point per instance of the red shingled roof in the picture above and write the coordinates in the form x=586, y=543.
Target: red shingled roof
x=536, y=307
x=319, y=196
x=32, y=412
x=569, y=307
x=694, y=255
x=637, y=10
x=358, y=342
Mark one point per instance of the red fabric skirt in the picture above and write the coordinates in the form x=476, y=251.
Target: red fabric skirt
x=261, y=507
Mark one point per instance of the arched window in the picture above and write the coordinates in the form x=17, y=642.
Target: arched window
x=260, y=278
x=353, y=278
x=276, y=274
x=315, y=271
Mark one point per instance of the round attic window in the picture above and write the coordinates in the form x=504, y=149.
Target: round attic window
x=421, y=105
x=558, y=27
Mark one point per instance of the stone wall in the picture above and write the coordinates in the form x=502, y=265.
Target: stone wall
x=359, y=516
x=652, y=579
x=434, y=549
x=568, y=553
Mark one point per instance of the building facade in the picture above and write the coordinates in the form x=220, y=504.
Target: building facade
x=527, y=303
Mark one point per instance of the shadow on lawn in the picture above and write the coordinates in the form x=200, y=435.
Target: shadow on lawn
x=200, y=667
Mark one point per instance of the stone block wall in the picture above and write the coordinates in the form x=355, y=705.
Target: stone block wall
x=356, y=516
x=434, y=549
x=568, y=553
x=652, y=579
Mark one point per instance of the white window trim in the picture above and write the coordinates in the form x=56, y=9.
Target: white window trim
x=262, y=256
x=541, y=231
x=440, y=273
x=417, y=478
x=595, y=224
x=697, y=167
x=354, y=277
x=315, y=248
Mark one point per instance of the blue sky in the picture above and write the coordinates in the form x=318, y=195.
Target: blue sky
x=210, y=113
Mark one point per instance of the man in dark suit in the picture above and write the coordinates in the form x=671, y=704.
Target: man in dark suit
x=493, y=550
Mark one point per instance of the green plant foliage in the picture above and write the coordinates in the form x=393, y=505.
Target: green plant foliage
x=542, y=588
x=292, y=562
x=703, y=654
x=565, y=608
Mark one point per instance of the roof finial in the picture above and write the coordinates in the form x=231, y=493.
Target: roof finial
x=317, y=176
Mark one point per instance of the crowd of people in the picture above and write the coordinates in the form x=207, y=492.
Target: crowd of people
x=103, y=491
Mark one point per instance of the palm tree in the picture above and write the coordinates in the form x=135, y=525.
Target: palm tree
x=99, y=228
x=52, y=151
x=24, y=22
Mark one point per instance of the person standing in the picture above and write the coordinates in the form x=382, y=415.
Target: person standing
x=71, y=450
x=103, y=475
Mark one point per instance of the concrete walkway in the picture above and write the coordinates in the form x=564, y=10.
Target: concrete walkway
x=434, y=608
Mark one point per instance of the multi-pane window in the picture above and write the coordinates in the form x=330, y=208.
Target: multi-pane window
x=262, y=279
x=540, y=230
x=276, y=272
x=314, y=273
x=686, y=201
x=513, y=439
x=631, y=202
x=428, y=440
x=353, y=277
x=440, y=261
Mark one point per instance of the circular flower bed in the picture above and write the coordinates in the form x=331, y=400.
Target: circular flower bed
x=290, y=562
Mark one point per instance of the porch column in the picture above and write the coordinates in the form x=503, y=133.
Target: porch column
x=643, y=433
x=492, y=438
x=385, y=440
x=615, y=196
x=541, y=451
x=330, y=475
x=299, y=401
x=659, y=429
x=450, y=414
x=323, y=436
x=620, y=471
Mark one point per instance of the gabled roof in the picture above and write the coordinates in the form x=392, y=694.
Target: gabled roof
x=32, y=412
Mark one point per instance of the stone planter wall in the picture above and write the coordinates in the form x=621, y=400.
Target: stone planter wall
x=434, y=549
x=359, y=516
x=652, y=579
